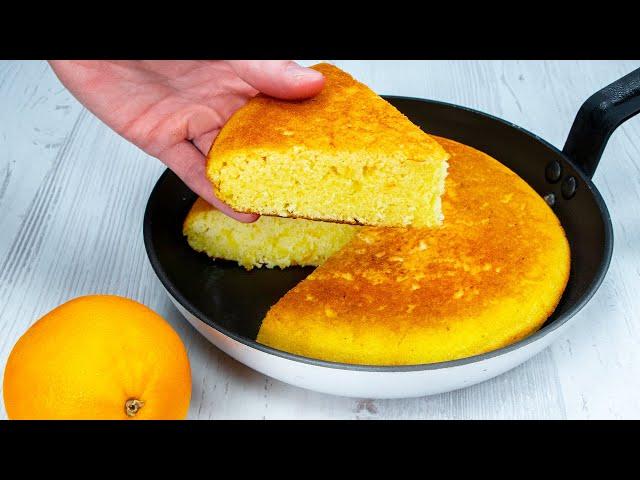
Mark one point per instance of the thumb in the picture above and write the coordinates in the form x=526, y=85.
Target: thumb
x=279, y=78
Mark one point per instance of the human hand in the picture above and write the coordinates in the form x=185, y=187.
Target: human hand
x=173, y=110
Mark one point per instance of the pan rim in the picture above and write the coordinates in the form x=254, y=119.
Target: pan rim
x=536, y=336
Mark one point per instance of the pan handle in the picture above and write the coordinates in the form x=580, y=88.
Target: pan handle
x=598, y=117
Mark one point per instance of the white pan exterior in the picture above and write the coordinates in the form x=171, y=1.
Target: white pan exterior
x=372, y=384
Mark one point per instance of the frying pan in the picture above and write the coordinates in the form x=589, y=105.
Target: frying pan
x=226, y=304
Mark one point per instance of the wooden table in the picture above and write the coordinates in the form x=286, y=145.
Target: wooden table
x=72, y=197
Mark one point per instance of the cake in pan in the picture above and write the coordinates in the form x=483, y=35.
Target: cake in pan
x=491, y=275
x=268, y=242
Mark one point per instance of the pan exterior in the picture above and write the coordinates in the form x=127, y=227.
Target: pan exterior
x=364, y=383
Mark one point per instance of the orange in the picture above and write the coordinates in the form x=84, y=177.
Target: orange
x=98, y=357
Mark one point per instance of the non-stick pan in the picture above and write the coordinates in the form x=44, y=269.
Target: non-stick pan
x=226, y=303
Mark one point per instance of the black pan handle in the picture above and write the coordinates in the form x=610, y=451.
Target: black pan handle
x=598, y=117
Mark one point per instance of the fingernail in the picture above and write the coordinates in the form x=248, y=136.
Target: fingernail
x=302, y=72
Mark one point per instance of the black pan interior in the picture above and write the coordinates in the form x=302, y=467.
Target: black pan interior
x=230, y=299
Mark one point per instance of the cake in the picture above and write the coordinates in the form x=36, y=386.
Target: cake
x=269, y=241
x=491, y=275
x=345, y=155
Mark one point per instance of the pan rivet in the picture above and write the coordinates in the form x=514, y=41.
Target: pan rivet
x=569, y=187
x=553, y=171
x=550, y=198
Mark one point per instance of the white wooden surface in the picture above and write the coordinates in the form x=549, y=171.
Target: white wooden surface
x=72, y=196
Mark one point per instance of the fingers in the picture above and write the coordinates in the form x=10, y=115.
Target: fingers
x=204, y=141
x=189, y=164
x=279, y=78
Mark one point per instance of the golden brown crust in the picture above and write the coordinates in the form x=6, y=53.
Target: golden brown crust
x=491, y=275
x=345, y=116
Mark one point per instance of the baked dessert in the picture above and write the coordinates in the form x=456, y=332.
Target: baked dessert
x=270, y=241
x=491, y=275
x=346, y=155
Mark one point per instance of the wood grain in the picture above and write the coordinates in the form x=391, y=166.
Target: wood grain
x=72, y=197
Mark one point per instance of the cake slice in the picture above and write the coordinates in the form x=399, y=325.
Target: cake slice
x=346, y=155
x=491, y=275
x=270, y=241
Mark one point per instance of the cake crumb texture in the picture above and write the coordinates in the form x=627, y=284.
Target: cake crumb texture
x=269, y=242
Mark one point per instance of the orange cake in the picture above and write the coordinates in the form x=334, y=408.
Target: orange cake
x=268, y=242
x=346, y=155
x=491, y=275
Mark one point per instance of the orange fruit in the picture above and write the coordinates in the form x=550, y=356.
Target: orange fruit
x=98, y=357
